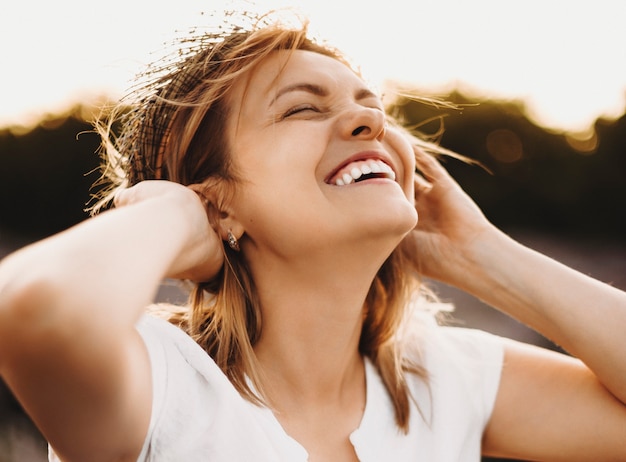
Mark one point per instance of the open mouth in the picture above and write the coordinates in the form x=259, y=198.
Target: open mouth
x=362, y=170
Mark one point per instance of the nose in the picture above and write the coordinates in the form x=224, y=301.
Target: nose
x=363, y=122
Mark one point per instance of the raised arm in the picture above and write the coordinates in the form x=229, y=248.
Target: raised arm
x=549, y=407
x=68, y=306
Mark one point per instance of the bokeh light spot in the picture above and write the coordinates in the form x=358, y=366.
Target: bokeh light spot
x=504, y=146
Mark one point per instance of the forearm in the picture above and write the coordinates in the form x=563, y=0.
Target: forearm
x=106, y=269
x=584, y=316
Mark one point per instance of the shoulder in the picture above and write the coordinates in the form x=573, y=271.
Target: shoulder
x=187, y=389
x=443, y=349
x=463, y=348
x=196, y=412
x=463, y=371
x=155, y=330
x=449, y=408
x=178, y=363
x=435, y=345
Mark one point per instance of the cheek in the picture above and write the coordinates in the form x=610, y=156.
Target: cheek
x=279, y=151
x=403, y=151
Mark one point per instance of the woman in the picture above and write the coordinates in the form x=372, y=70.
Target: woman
x=289, y=199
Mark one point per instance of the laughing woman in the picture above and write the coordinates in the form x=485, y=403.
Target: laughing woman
x=261, y=167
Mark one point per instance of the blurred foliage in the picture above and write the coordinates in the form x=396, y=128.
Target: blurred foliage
x=570, y=184
x=46, y=174
x=539, y=180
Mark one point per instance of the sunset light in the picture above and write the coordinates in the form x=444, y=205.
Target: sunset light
x=565, y=60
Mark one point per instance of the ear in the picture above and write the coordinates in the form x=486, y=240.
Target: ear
x=217, y=196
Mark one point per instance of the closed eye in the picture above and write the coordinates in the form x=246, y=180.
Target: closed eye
x=299, y=109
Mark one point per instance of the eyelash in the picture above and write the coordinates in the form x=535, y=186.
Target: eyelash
x=300, y=108
x=309, y=107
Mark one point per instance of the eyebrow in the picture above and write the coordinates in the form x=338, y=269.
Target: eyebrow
x=307, y=87
x=317, y=90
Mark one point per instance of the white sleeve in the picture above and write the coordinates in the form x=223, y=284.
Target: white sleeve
x=192, y=399
x=479, y=358
x=464, y=368
x=149, y=330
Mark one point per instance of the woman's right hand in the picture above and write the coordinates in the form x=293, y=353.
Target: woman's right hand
x=202, y=255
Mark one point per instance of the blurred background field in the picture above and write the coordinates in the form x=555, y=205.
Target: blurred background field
x=540, y=93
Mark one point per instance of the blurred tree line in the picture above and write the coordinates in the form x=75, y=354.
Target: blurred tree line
x=541, y=180
x=46, y=174
x=533, y=178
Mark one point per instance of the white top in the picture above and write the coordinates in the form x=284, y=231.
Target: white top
x=197, y=415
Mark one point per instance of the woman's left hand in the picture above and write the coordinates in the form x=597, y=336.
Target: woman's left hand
x=450, y=224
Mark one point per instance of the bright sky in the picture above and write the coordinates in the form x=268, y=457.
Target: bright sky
x=565, y=58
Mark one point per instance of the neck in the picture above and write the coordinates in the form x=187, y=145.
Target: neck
x=312, y=315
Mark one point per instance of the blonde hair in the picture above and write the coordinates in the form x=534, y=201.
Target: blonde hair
x=174, y=129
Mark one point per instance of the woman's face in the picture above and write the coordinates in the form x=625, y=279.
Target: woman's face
x=319, y=167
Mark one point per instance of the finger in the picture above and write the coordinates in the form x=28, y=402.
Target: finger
x=422, y=185
x=120, y=198
x=199, y=189
x=143, y=190
x=127, y=196
x=429, y=166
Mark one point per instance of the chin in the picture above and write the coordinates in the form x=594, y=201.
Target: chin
x=394, y=223
x=404, y=216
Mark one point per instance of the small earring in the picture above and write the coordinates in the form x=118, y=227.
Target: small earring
x=232, y=241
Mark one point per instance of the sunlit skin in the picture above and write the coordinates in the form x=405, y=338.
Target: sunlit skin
x=585, y=81
x=71, y=354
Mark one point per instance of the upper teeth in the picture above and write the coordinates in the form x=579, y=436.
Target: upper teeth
x=365, y=168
